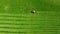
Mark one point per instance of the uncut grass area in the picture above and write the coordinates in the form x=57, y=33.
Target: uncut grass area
x=16, y=17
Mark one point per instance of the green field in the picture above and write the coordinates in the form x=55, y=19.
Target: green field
x=16, y=17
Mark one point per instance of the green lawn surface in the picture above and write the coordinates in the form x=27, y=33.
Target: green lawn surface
x=16, y=17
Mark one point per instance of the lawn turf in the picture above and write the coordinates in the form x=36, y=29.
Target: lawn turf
x=16, y=17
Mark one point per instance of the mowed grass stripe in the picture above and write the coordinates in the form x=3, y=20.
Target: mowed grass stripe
x=26, y=30
x=43, y=22
x=16, y=30
x=27, y=23
x=16, y=22
x=16, y=26
x=31, y=27
x=26, y=15
x=13, y=20
x=36, y=26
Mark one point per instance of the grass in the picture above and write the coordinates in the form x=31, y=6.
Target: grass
x=16, y=17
